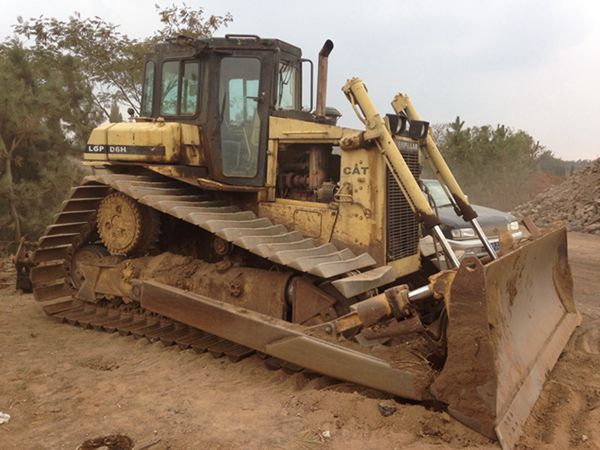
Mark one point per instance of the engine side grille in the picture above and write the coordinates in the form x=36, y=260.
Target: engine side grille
x=402, y=226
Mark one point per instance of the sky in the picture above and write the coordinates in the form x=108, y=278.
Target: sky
x=531, y=65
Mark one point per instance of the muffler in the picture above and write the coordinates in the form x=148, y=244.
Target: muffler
x=322, y=78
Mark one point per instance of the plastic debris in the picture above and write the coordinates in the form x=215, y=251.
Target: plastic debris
x=4, y=418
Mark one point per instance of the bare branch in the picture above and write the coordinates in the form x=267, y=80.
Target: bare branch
x=15, y=143
x=100, y=105
x=125, y=96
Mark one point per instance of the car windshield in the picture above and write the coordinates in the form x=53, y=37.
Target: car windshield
x=436, y=193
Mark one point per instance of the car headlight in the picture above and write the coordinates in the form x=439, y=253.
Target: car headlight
x=463, y=233
x=513, y=226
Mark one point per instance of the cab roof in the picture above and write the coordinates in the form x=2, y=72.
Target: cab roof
x=184, y=44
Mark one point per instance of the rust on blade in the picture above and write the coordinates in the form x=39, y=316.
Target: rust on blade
x=538, y=324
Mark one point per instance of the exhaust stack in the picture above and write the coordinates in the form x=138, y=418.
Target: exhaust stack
x=322, y=78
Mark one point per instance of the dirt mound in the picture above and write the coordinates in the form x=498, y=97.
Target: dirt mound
x=575, y=203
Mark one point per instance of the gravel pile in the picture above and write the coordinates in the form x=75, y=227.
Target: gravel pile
x=575, y=203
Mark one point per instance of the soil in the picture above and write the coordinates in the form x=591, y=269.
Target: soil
x=63, y=386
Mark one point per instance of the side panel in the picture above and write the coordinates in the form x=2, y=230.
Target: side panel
x=96, y=148
x=361, y=199
x=156, y=142
x=313, y=220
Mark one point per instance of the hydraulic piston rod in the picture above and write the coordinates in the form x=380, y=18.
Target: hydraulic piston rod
x=403, y=104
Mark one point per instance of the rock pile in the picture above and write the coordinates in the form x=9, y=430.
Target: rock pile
x=575, y=203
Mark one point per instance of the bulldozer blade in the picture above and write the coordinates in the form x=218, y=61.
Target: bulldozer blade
x=508, y=322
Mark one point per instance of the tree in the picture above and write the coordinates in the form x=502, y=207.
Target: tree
x=41, y=118
x=111, y=60
x=493, y=164
x=53, y=92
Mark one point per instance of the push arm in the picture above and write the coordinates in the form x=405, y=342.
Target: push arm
x=403, y=105
x=376, y=131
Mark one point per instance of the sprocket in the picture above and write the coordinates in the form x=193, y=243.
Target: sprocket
x=126, y=226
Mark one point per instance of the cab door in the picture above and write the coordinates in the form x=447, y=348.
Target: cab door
x=243, y=122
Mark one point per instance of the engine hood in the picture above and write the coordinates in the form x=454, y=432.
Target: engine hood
x=488, y=217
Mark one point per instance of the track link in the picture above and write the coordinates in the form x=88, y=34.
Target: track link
x=135, y=322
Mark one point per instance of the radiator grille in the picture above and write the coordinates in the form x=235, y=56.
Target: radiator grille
x=402, y=226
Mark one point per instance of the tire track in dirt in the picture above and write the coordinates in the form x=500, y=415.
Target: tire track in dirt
x=567, y=414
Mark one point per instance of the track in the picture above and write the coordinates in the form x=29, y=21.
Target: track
x=76, y=222
x=75, y=226
x=140, y=324
x=242, y=228
x=52, y=287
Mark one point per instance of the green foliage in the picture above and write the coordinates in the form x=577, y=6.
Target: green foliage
x=43, y=118
x=552, y=165
x=111, y=60
x=181, y=20
x=39, y=200
x=496, y=166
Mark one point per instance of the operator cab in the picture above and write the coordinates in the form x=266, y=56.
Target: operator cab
x=228, y=87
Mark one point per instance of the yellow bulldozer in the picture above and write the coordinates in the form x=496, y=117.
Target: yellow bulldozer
x=230, y=217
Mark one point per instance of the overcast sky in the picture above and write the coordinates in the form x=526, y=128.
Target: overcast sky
x=531, y=65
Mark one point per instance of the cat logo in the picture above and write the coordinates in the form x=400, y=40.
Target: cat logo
x=357, y=170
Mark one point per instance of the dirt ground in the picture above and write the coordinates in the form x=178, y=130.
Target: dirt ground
x=62, y=385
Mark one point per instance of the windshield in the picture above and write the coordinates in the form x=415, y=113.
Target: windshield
x=170, y=83
x=436, y=193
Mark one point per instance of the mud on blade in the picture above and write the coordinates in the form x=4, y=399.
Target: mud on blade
x=508, y=323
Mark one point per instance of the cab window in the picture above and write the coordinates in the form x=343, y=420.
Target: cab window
x=189, y=87
x=287, y=78
x=179, y=91
x=148, y=93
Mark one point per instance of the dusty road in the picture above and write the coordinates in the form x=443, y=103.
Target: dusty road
x=62, y=385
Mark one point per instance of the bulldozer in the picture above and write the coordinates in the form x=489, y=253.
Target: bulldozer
x=233, y=215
